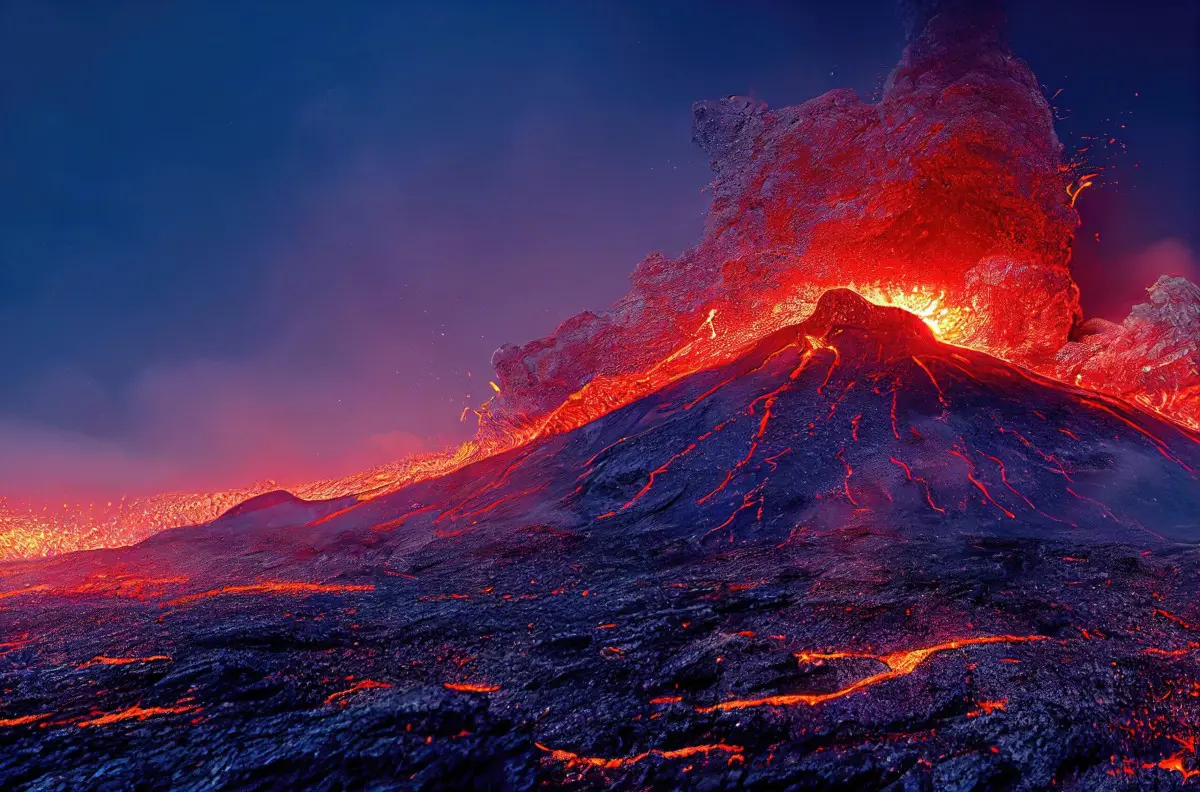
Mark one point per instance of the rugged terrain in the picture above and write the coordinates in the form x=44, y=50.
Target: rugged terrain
x=853, y=557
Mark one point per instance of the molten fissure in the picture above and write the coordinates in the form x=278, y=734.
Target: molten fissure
x=899, y=664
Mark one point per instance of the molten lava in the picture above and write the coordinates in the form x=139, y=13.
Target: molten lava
x=899, y=664
x=610, y=763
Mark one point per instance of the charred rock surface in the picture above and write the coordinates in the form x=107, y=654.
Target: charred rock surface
x=854, y=557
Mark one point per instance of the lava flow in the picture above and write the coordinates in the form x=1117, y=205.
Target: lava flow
x=863, y=413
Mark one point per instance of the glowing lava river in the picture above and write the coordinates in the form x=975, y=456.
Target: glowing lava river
x=854, y=556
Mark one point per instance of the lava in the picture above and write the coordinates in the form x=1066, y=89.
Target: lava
x=472, y=688
x=925, y=484
x=980, y=486
x=136, y=712
x=273, y=588
x=987, y=707
x=361, y=685
x=106, y=660
x=899, y=664
x=573, y=759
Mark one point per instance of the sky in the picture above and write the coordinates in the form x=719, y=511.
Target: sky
x=282, y=239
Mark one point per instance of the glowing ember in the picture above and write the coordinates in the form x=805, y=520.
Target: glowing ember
x=105, y=660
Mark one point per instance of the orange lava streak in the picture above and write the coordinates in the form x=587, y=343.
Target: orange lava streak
x=988, y=707
x=849, y=473
x=108, y=660
x=1177, y=620
x=1018, y=493
x=396, y=523
x=928, y=493
x=748, y=501
x=361, y=685
x=102, y=585
x=29, y=590
x=274, y=588
x=572, y=759
x=662, y=469
x=1175, y=763
x=980, y=485
x=472, y=688
x=136, y=712
x=899, y=664
x=18, y=721
x=1077, y=187
x=932, y=379
x=895, y=428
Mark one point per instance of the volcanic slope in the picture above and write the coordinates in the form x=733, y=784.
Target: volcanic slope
x=855, y=556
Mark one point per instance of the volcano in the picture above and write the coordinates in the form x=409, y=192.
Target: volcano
x=848, y=496
x=853, y=556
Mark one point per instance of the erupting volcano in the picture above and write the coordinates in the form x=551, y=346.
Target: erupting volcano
x=849, y=495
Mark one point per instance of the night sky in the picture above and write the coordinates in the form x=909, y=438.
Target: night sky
x=241, y=240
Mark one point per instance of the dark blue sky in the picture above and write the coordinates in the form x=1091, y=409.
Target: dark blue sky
x=244, y=239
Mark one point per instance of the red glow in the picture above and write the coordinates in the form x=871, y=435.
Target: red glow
x=472, y=688
x=361, y=685
x=136, y=712
x=273, y=588
x=105, y=660
x=898, y=664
